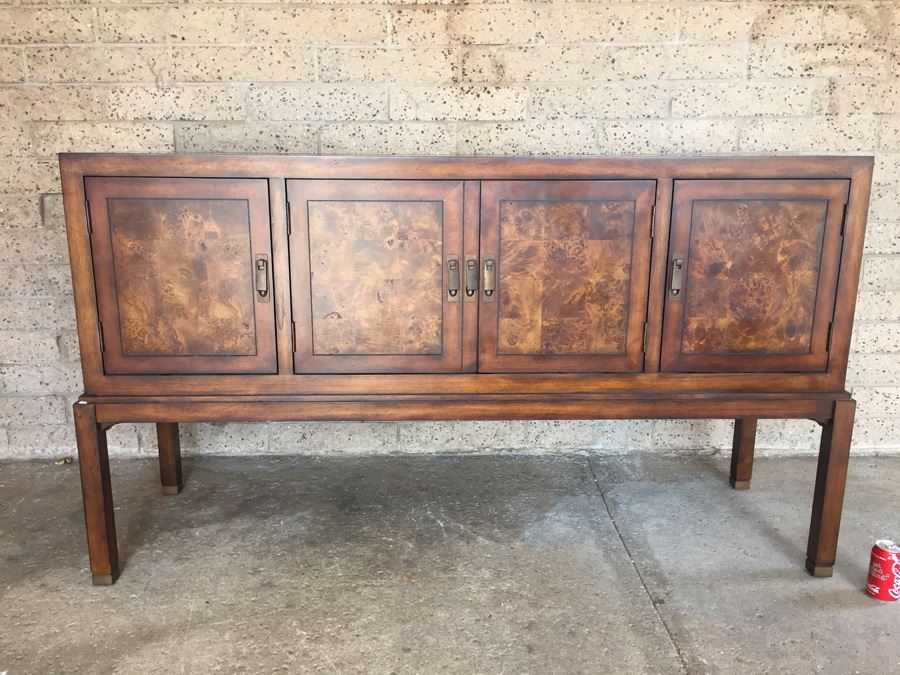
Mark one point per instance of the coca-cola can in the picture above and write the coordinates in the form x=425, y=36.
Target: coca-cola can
x=884, y=571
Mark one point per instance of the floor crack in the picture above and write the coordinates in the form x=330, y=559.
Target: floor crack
x=681, y=656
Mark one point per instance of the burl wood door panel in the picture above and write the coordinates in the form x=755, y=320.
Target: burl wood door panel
x=759, y=272
x=370, y=275
x=175, y=269
x=572, y=265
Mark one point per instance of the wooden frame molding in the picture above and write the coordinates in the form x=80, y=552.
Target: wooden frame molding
x=396, y=266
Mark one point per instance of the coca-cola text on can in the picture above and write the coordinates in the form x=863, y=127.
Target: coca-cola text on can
x=884, y=571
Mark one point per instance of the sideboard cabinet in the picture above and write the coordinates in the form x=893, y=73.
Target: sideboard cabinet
x=252, y=288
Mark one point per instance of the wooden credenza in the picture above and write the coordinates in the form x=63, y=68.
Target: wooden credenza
x=252, y=288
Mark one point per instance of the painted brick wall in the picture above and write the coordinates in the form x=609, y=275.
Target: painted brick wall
x=519, y=77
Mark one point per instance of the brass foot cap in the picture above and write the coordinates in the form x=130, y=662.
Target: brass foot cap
x=740, y=484
x=171, y=489
x=104, y=579
x=819, y=570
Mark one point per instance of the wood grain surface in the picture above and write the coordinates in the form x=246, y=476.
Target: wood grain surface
x=376, y=276
x=184, y=281
x=753, y=276
x=566, y=271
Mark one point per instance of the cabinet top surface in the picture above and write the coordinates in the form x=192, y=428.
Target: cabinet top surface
x=470, y=167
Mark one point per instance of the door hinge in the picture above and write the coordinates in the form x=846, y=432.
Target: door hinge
x=287, y=206
x=828, y=339
x=293, y=337
x=644, y=339
x=100, y=333
x=87, y=217
x=653, y=221
x=844, y=220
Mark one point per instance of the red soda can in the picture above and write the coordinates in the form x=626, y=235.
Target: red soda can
x=884, y=571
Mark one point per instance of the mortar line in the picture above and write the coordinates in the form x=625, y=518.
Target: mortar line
x=678, y=651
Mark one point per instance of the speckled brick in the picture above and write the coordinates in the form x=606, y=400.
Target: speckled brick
x=593, y=22
x=52, y=211
x=702, y=435
x=330, y=438
x=97, y=64
x=27, y=348
x=408, y=138
x=266, y=63
x=15, y=140
x=35, y=281
x=501, y=24
x=11, y=62
x=317, y=25
x=612, y=100
x=20, y=25
x=877, y=401
x=55, y=441
x=878, y=306
x=744, y=99
x=552, y=137
x=809, y=134
x=28, y=175
x=458, y=103
x=20, y=211
x=18, y=410
x=887, y=169
x=862, y=97
x=169, y=24
x=56, y=102
x=876, y=433
x=463, y=436
x=878, y=338
x=317, y=102
x=889, y=134
x=864, y=21
x=712, y=61
x=832, y=59
x=249, y=137
x=417, y=65
x=883, y=203
x=224, y=439
x=47, y=246
x=55, y=137
x=751, y=21
x=882, y=238
x=590, y=435
x=68, y=347
x=212, y=102
x=881, y=273
x=872, y=369
x=668, y=136
x=541, y=63
x=59, y=378
x=51, y=314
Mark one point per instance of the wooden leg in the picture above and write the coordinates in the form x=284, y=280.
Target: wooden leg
x=169, y=458
x=93, y=462
x=828, y=500
x=742, y=453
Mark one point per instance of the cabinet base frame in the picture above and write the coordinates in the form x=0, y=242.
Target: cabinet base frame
x=94, y=415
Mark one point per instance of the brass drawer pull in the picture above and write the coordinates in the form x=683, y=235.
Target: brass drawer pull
x=453, y=278
x=489, y=277
x=677, y=276
x=262, y=277
x=471, y=277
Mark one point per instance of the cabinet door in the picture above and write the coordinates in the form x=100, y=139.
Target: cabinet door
x=370, y=274
x=759, y=262
x=175, y=263
x=571, y=271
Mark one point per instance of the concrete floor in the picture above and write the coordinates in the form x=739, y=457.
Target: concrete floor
x=445, y=564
